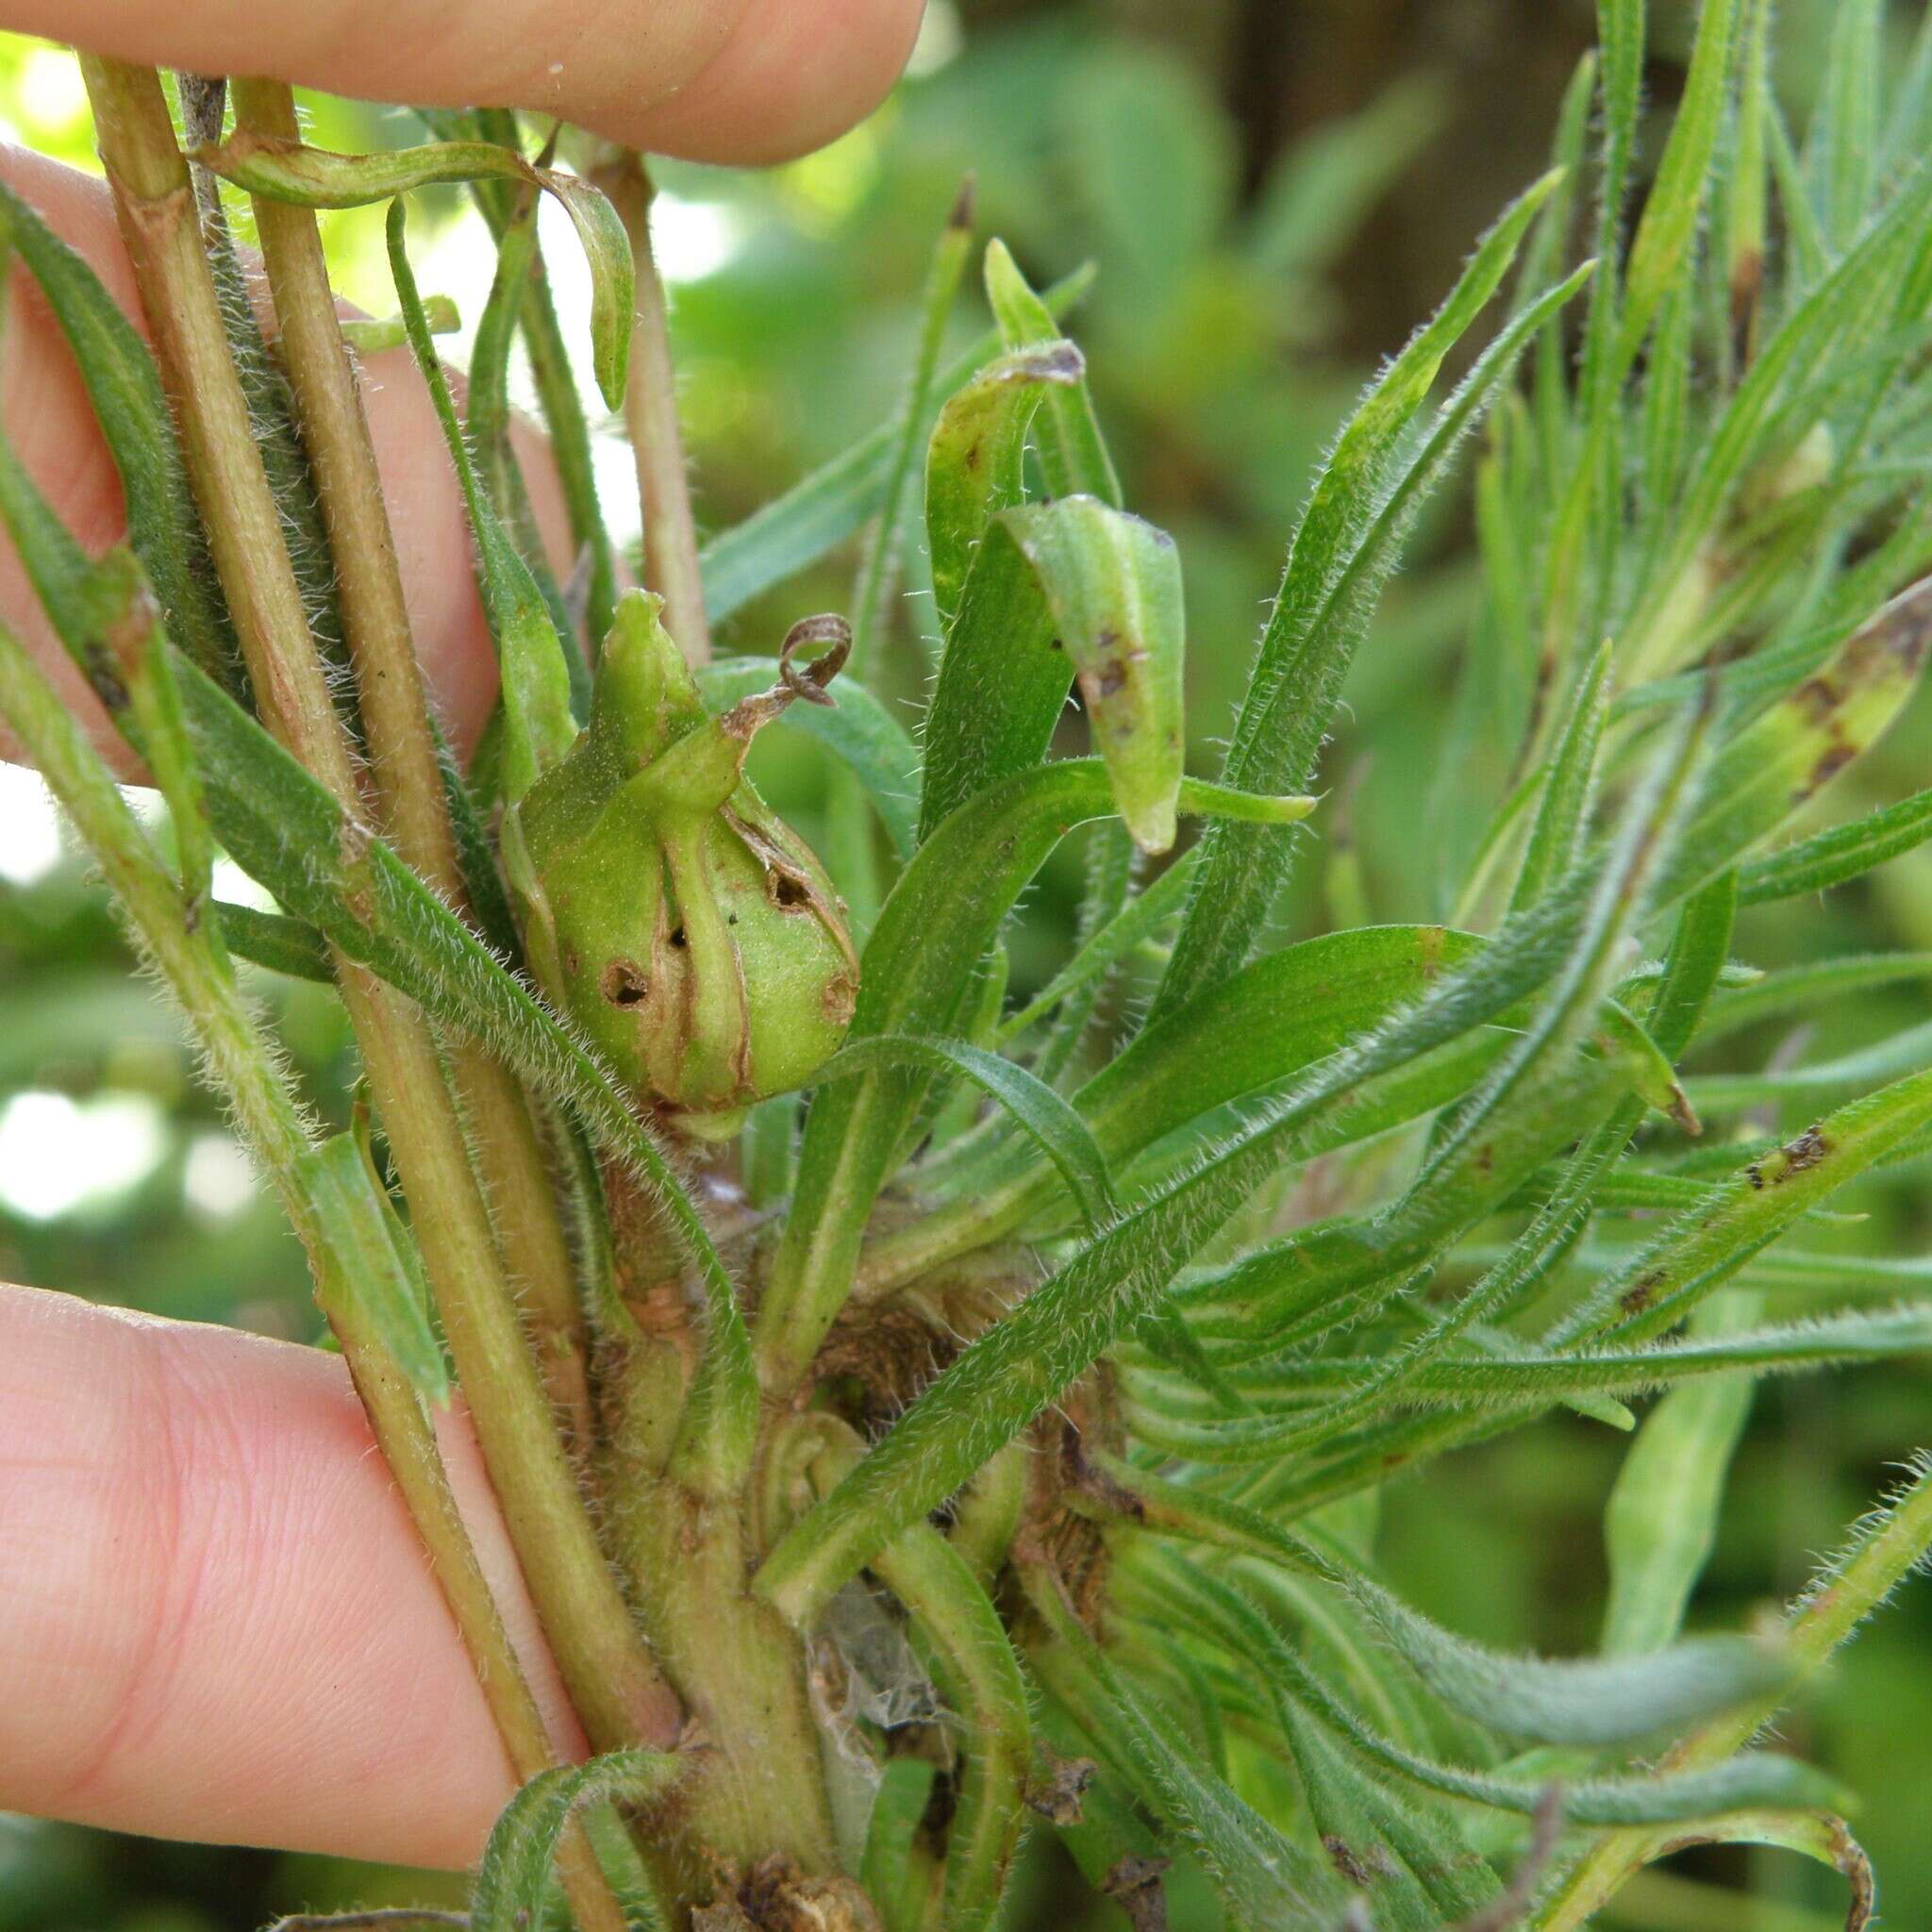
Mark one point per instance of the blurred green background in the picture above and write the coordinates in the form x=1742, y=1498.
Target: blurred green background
x=1276, y=191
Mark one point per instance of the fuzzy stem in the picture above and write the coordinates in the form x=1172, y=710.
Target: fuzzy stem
x=242, y=1068
x=404, y=769
x=610, y=1677
x=650, y=414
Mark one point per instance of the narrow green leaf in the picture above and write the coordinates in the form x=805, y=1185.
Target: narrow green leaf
x=1830, y=858
x=821, y=511
x=893, y=1873
x=367, y=1261
x=974, y=462
x=374, y=335
x=1792, y=988
x=1316, y=196
x=999, y=1384
x=126, y=393
x=514, y=1877
x=1842, y=141
x=1265, y=1881
x=1788, y=754
x=1416, y=1871
x=1660, y=1524
x=1342, y=552
x=275, y=942
x=1569, y=786
x=1139, y=920
x=932, y=932
x=312, y=177
x=1754, y=1779
x=1269, y=1023
x=1055, y=591
x=1583, y=1701
x=1695, y=1255
x=1059, y=1132
x=1073, y=457
x=539, y=728
x=1660, y=251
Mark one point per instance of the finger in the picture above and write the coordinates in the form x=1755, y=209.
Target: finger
x=52, y=426
x=741, y=81
x=215, y=1620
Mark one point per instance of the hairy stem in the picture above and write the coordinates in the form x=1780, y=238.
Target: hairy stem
x=241, y=1066
x=650, y=414
x=404, y=773
x=610, y=1677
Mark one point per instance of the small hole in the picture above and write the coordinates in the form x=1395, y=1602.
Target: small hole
x=623, y=984
x=677, y=937
x=789, y=892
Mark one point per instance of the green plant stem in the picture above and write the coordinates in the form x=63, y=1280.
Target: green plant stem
x=243, y=1068
x=616, y=1687
x=650, y=414
x=1822, y=1619
x=405, y=773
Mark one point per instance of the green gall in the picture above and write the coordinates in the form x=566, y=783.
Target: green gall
x=688, y=931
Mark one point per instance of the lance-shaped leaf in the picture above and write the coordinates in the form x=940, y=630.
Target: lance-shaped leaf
x=1416, y=1868
x=1345, y=546
x=974, y=465
x=312, y=177
x=1788, y=753
x=367, y=1261
x=273, y=940
x=124, y=390
x=1569, y=786
x=1073, y=456
x=1060, y=591
x=1595, y=1701
x=821, y=511
x=1061, y=1134
x=934, y=930
x=1660, y=1523
x=1754, y=1779
x=1670, y=212
x=1772, y=995
x=1182, y=1421
x=1265, y=1880
x=538, y=724
x=999, y=1384
x=372, y=334
x=1270, y=1022
x=1830, y=858
x=514, y=1877
x=1696, y=1253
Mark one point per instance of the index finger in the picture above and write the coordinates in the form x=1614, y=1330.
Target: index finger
x=720, y=81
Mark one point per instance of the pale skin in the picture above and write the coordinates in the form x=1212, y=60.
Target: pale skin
x=214, y=1620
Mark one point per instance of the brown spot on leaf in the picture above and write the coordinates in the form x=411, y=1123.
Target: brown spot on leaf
x=105, y=676
x=1341, y=1856
x=1058, y=1795
x=1135, y=1886
x=1639, y=1295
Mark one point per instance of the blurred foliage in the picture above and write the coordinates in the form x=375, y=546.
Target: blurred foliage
x=1252, y=226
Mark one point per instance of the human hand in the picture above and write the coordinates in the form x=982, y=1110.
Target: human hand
x=215, y=1620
